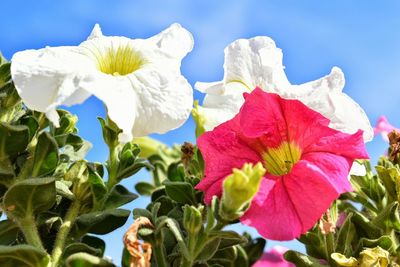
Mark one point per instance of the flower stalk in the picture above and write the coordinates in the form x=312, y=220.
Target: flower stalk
x=65, y=228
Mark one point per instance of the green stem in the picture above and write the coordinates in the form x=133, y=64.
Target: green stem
x=329, y=247
x=30, y=231
x=112, y=167
x=65, y=228
x=159, y=256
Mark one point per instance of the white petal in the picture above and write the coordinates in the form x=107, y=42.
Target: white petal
x=47, y=77
x=255, y=62
x=119, y=97
x=358, y=169
x=220, y=108
x=96, y=32
x=325, y=96
x=165, y=101
x=215, y=88
x=175, y=41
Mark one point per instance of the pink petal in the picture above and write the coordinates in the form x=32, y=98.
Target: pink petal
x=347, y=145
x=293, y=205
x=222, y=150
x=261, y=116
x=273, y=258
x=383, y=127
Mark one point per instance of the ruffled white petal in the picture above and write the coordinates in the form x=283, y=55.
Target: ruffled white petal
x=325, y=96
x=175, y=41
x=255, y=62
x=96, y=32
x=258, y=62
x=48, y=77
x=358, y=169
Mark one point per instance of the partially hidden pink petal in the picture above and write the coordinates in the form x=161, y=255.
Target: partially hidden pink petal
x=222, y=150
x=273, y=258
x=383, y=127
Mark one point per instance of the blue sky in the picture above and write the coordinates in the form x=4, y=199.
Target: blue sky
x=361, y=37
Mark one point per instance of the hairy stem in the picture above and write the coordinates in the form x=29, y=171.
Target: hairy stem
x=112, y=167
x=160, y=256
x=65, y=228
x=30, y=231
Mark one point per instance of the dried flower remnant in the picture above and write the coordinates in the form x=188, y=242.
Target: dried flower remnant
x=140, y=252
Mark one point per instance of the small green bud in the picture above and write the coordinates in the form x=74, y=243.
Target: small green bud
x=192, y=219
x=199, y=118
x=67, y=123
x=110, y=132
x=239, y=189
x=78, y=175
x=148, y=146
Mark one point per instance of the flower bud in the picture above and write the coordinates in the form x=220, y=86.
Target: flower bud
x=192, y=219
x=239, y=189
x=199, y=118
x=148, y=146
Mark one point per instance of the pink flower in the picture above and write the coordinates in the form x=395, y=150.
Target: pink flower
x=273, y=258
x=383, y=127
x=307, y=162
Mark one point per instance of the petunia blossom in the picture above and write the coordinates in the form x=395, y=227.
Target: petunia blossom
x=139, y=80
x=307, y=162
x=257, y=62
x=383, y=127
x=273, y=258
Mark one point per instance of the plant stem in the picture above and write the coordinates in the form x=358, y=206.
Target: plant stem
x=65, y=228
x=31, y=233
x=159, y=256
x=329, y=246
x=112, y=167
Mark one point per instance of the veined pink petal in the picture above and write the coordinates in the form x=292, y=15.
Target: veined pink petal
x=218, y=165
x=273, y=258
x=383, y=127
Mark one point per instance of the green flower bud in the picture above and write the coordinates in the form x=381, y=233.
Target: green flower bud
x=78, y=175
x=148, y=146
x=239, y=189
x=192, y=219
x=199, y=118
x=374, y=257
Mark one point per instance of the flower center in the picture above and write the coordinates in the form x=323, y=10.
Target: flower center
x=280, y=160
x=120, y=61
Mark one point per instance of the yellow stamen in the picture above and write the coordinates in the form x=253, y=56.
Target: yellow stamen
x=120, y=61
x=280, y=160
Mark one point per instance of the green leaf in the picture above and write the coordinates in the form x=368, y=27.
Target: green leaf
x=13, y=139
x=254, y=249
x=142, y=213
x=80, y=247
x=86, y=260
x=63, y=190
x=389, y=217
x=301, y=260
x=97, y=187
x=30, y=197
x=144, y=189
x=95, y=242
x=181, y=192
x=345, y=237
x=23, y=256
x=101, y=222
x=119, y=196
x=176, y=172
x=8, y=232
x=384, y=242
x=110, y=132
x=209, y=249
x=228, y=238
x=46, y=155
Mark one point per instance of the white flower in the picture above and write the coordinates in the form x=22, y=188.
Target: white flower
x=139, y=80
x=258, y=62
